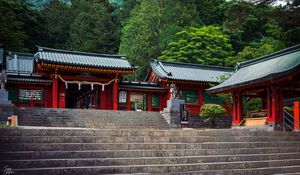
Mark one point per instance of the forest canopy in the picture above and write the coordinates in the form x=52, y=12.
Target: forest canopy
x=215, y=32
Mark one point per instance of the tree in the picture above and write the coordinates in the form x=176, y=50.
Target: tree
x=205, y=45
x=151, y=26
x=58, y=18
x=211, y=112
x=93, y=29
x=16, y=31
x=211, y=12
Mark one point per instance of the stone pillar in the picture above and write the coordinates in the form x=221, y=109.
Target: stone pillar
x=297, y=116
x=115, y=95
x=54, y=92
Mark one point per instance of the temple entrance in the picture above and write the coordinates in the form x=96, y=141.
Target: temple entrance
x=83, y=98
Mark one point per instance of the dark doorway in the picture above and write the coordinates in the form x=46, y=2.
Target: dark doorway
x=85, y=98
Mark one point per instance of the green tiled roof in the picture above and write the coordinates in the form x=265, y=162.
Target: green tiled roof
x=86, y=59
x=189, y=72
x=262, y=69
x=139, y=85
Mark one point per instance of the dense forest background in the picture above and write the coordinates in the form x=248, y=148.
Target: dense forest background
x=215, y=32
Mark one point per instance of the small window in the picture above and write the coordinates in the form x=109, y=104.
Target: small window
x=189, y=96
x=155, y=100
x=13, y=94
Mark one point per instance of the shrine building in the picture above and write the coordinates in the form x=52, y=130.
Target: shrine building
x=275, y=79
x=56, y=78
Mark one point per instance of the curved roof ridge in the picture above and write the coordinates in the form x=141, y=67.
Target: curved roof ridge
x=41, y=48
x=270, y=56
x=198, y=65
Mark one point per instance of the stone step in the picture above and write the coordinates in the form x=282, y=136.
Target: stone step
x=140, y=146
x=282, y=170
x=15, y=155
x=139, y=139
x=57, y=131
x=167, y=168
x=107, y=139
x=40, y=163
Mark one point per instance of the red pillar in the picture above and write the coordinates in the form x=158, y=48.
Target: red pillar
x=296, y=116
x=149, y=104
x=54, y=92
x=269, y=107
x=102, y=99
x=275, y=112
x=237, y=109
x=128, y=104
x=200, y=98
x=62, y=96
x=115, y=95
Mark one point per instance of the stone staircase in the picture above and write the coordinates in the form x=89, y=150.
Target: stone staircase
x=85, y=118
x=49, y=151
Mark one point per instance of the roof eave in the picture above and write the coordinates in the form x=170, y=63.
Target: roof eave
x=260, y=80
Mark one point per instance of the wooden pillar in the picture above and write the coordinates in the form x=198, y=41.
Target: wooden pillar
x=279, y=118
x=237, y=109
x=102, y=99
x=62, y=97
x=54, y=92
x=269, y=107
x=275, y=107
x=296, y=116
x=128, y=103
x=149, y=102
x=115, y=95
x=200, y=97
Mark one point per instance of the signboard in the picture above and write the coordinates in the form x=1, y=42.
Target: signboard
x=136, y=97
x=26, y=95
x=122, y=96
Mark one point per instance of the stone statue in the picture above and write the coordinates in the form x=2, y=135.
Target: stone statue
x=173, y=91
x=3, y=79
x=3, y=93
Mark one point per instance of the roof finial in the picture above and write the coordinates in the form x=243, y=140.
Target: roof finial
x=237, y=67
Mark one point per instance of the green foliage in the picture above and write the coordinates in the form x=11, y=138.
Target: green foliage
x=205, y=45
x=58, y=18
x=253, y=105
x=91, y=29
x=151, y=26
x=226, y=97
x=212, y=110
x=20, y=26
x=174, y=30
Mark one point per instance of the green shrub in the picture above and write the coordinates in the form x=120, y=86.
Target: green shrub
x=211, y=112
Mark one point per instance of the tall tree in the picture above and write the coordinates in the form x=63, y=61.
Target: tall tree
x=205, y=45
x=151, y=26
x=93, y=29
x=58, y=18
x=19, y=26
